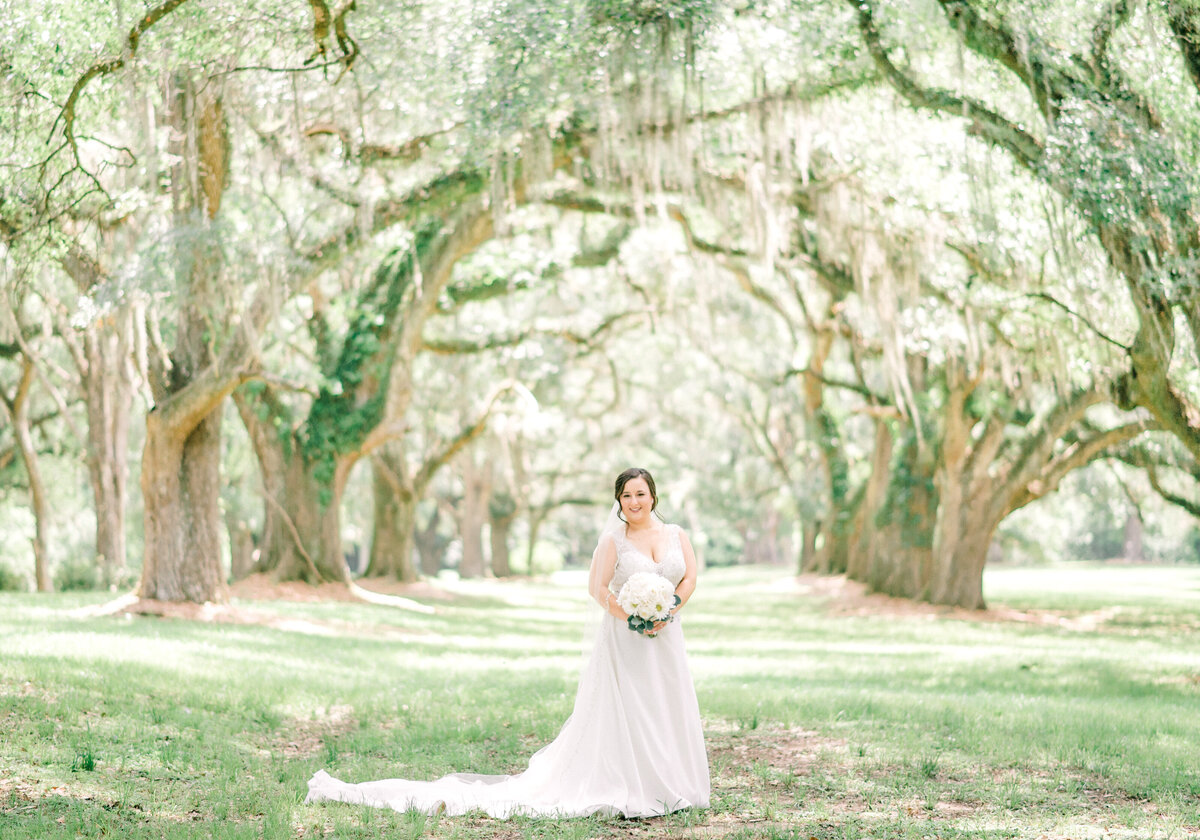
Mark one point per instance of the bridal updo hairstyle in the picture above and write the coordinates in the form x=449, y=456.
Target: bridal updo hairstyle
x=630, y=474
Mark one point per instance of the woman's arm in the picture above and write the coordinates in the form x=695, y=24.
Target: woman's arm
x=688, y=584
x=604, y=566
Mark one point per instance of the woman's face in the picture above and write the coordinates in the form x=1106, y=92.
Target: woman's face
x=636, y=501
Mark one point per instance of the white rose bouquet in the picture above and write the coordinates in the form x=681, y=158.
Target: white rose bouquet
x=648, y=598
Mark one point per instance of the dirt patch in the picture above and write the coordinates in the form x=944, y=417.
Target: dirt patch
x=18, y=795
x=306, y=736
x=263, y=588
x=770, y=752
x=237, y=614
x=851, y=598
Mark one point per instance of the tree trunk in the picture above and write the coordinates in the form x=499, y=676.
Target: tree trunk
x=471, y=517
x=536, y=518
x=901, y=555
x=269, y=450
x=301, y=537
x=958, y=578
x=864, y=540
x=181, y=461
x=18, y=409
x=835, y=534
x=1134, y=546
x=501, y=563
x=429, y=545
x=808, y=546
x=830, y=539
x=502, y=509
x=103, y=360
x=181, y=493
x=108, y=395
x=241, y=547
x=310, y=546
x=392, y=540
x=37, y=499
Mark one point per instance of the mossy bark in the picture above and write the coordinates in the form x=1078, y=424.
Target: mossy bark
x=395, y=504
x=181, y=460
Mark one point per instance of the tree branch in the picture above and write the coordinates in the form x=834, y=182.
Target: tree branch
x=463, y=346
x=1083, y=318
x=109, y=65
x=457, y=443
x=323, y=21
x=1167, y=495
x=1110, y=20
x=1082, y=453
x=1142, y=458
x=1026, y=149
x=1039, y=443
x=836, y=383
x=1184, y=20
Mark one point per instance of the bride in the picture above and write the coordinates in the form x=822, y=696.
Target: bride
x=633, y=745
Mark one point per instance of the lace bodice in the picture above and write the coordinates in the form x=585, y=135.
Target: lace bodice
x=630, y=560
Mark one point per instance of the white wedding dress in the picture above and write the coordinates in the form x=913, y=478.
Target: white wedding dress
x=632, y=746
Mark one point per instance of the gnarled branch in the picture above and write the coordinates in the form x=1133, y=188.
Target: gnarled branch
x=109, y=65
x=1026, y=149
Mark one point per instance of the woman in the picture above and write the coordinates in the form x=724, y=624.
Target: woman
x=633, y=745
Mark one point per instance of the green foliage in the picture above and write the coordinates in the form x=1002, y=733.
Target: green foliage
x=1118, y=172
x=271, y=412
x=10, y=580
x=351, y=402
x=632, y=14
x=85, y=761
x=911, y=499
x=483, y=286
x=77, y=573
x=451, y=88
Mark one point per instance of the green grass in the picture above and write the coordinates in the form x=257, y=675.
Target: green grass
x=1076, y=716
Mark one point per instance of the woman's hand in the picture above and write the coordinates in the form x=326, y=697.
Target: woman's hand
x=659, y=626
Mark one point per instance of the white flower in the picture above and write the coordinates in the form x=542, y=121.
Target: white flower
x=647, y=595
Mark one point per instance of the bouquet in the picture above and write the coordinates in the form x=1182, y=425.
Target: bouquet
x=648, y=598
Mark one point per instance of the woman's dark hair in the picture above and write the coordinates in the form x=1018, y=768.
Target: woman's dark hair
x=630, y=474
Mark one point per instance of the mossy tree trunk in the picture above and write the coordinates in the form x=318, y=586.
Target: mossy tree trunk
x=182, y=455
x=945, y=501
x=393, y=538
x=833, y=529
x=898, y=558
x=259, y=414
x=867, y=535
x=370, y=371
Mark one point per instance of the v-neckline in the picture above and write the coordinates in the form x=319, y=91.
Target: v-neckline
x=649, y=557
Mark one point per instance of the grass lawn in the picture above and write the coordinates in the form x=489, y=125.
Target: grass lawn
x=1069, y=710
